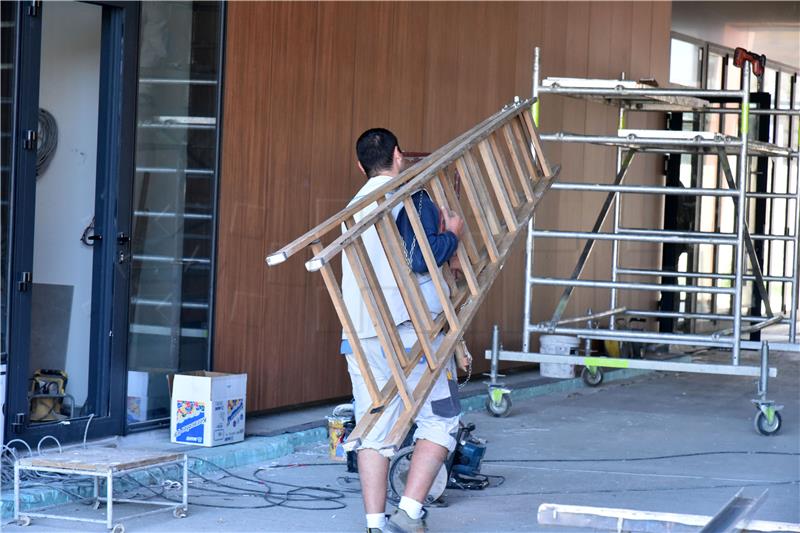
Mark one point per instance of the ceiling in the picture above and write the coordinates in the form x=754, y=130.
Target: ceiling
x=769, y=28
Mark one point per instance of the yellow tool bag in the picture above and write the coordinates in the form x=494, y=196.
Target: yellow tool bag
x=47, y=391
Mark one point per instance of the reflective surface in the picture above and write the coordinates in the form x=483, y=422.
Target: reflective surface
x=174, y=197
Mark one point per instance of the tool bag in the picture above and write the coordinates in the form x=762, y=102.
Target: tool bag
x=47, y=391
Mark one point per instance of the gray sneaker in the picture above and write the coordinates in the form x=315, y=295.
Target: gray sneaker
x=400, y=522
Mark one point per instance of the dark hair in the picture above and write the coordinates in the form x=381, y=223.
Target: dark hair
x=375, y=150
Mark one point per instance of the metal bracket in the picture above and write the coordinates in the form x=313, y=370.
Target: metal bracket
x=31, y=140
x=25, y=282
x=34, y=7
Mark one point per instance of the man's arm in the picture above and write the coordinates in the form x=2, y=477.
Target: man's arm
x=442, y=243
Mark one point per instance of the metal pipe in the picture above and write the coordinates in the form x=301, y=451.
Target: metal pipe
x=698, y=275
x=699, y=234
x=731, y=111
x=592, y=316
x=642, y=364
x=744, y=128
x=600, y=284
x=622, y=91
x=795, y=288
x=696, y=316
x=526, y=336
x=771, y=195
x=627, y=335
x=555, y=234
x=615, y=225
x=762, y=378
x=641, y=189
x=495, y=354
x=758, y=326
x=638, y=141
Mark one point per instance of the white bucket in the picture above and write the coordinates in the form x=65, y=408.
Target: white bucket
x=557, y=345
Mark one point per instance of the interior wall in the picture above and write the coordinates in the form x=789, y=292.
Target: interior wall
x=303, y=80
x=65, y=191
x=769, y=28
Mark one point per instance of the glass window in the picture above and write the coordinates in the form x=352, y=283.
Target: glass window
x=173, y=201
x=684, y=63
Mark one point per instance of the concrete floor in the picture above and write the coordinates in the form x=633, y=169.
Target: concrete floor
x=562, y=448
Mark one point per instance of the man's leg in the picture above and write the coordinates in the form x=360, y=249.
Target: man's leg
x=373, y=470
x=425, y=465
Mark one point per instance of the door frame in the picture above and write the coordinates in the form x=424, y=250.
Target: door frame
x=115, y=170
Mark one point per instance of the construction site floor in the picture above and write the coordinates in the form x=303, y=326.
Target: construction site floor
x=680, y=443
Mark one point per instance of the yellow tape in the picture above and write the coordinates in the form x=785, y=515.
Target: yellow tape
x=605, y=362
x=745, y=120
x=535, y=109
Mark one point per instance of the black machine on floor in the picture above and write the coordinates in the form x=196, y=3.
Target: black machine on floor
x=460, y=471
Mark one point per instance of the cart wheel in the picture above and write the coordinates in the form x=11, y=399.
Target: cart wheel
x=24, y=521
x=764, y=427
x=398, y=475
x=180, y=512
x=501, y=409
x=118, y=528
x=593, y=380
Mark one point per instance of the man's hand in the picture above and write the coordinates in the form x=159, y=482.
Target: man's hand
x=455, y=265
x=452, y=222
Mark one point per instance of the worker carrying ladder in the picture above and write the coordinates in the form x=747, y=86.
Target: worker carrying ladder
x=503, y=173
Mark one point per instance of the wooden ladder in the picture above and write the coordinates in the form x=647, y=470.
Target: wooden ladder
x=503, y=174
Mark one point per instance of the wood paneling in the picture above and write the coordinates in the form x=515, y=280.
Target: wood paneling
x=302, y=81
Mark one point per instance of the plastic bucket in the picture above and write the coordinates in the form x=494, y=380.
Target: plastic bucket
x=557, y=345
x=336, y=437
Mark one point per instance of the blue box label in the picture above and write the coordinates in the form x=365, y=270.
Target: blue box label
x=190, y=422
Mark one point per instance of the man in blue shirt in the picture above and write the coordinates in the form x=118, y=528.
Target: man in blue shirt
x=381, y=160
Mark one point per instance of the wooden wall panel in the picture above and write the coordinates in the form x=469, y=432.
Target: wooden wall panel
x=303, y=80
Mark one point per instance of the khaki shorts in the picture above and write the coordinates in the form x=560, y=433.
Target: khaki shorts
x=437, y=420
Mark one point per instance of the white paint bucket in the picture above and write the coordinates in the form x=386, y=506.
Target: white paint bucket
x=557, y=345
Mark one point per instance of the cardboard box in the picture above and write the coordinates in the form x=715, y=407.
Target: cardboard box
x=208, y=408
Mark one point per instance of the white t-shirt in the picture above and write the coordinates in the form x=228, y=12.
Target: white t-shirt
x=380, y=264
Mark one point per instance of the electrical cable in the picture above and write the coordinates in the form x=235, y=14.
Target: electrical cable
x=48, y=140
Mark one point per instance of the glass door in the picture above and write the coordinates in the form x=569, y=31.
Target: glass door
x=71, y=245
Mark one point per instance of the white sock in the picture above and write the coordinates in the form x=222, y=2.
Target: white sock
x=376, y=520
x=412, y=507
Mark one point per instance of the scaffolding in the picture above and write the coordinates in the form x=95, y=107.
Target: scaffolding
x=644, y=97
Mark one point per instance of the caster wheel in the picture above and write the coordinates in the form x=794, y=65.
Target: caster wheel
x=180, y=512
x=764, y=427
x=501, y=409
x=24, y=521
x=118, y=528
x=592, y=380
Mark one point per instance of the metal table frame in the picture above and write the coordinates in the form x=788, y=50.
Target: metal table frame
x=179, y=509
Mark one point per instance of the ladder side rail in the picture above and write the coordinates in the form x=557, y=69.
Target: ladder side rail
x=335, y=292
x=468, y=311
x=517, y=161
x=527, y=121
x=371, y=299
x=409, y=187
x=453, y=203
x=505, y=172
x=500, y=185
x=466, y=266
x=381, y=305
x=409, y=289
x=430, y=262
x=366, y=423
x=379, y=194
x=477, y=209
x=479, y=185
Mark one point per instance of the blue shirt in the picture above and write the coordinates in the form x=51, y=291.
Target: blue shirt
x=442, y=244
